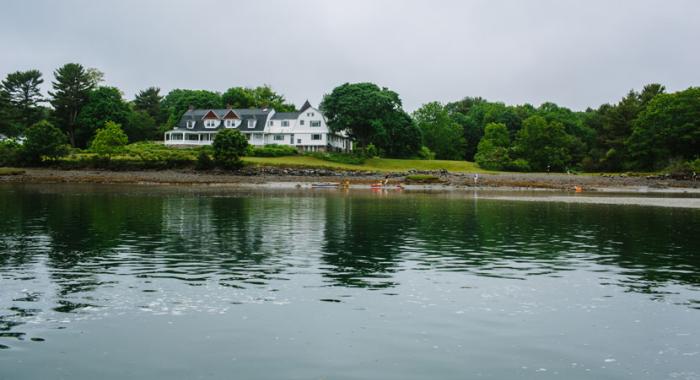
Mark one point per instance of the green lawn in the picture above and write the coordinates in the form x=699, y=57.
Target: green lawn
x=375, y=164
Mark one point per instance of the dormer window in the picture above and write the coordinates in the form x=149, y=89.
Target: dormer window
x=251, y=123
x=315, y=123
x=190, y=124
x=285, y=123
x=229, y=124
x=211, y=123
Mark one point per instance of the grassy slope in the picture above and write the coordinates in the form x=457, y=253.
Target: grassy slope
x=375, y=164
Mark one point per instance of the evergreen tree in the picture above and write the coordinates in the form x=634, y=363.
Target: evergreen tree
x=150, y=101
x=71, y=90
x=22, y=91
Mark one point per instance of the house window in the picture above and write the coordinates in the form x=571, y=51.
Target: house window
x=315, y=123
x=251, y=123
x=301, y=122
x=247, y=136
x=258, y=136
x=278, y=137
x=298, y=141
x=272, y=123
x=229, y=123
x=310, y=114
x=316, y=137
x=211, y=123
x=190, y=124
x=285, y=123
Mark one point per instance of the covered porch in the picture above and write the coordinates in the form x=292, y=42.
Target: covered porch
x=188, y=138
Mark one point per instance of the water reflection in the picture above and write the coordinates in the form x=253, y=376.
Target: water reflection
x=72, y=247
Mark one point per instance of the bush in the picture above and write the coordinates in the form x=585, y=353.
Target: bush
x=229, y=145
x=9, y=153
x=425, y=153
x=682, y=168
x=272, y=151
x=519, y=165
x=204, y=162
x=43, y=140
x=109, y=140
x=370, y=151
x=342, y=158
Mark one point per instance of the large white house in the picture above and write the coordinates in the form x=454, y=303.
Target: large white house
x=305, y=129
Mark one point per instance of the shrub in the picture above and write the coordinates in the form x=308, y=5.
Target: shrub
x=229, y=145
x=43, y=140
x=683, y=168
x=342, y=158
x=426, y=154
x=109, y=140
x=370, y=151
x=272, y=151
x=9, y=153
x=204, y=162
x=519, y=165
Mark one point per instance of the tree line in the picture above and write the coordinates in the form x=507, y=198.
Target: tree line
x=646, y=130
x=78, y=104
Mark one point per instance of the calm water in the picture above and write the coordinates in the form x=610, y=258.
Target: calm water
x=115, y=283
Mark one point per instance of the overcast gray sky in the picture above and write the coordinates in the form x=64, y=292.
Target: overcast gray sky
x=576, y=53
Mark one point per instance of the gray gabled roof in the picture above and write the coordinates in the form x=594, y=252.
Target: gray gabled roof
x=245, y=113
x=306, y=106
x=285, y=115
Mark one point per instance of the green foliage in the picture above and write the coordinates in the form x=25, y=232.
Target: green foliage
x=372, y=115
x=43, y=140
x=258, y=97
x=493, y=149
x=519, y=165
x=149, y=101
x=109, y=140
x=9, y=153
x=141, y=126
x=369, y=151
x=104, y=104
x=342, y=158
x=441, y=134
x=204, y=161
x=398, y=136
x=178, y=101
x=544, y=145
x=272, y=150
x=668, y=128
x=229, y=146
x=23, y=94
x=71, y=91
x=425, y=153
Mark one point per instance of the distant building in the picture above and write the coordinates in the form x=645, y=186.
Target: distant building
x=305, y=129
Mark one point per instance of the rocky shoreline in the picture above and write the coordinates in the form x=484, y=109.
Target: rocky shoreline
x=252, y=176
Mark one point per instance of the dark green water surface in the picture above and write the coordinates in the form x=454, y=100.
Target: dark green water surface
x=100, y=282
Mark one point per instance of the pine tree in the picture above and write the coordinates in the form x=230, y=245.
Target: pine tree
x=70, y=92
x=21, y=90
